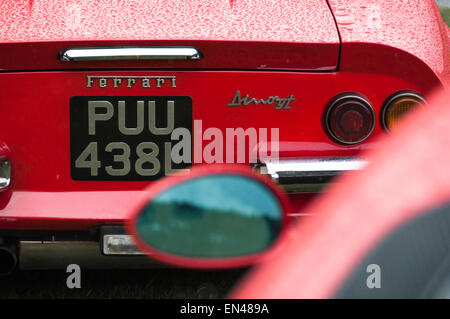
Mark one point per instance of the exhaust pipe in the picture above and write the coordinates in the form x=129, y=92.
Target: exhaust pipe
x=8, y=256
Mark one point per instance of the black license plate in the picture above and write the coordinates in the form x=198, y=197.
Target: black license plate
x=126, y=138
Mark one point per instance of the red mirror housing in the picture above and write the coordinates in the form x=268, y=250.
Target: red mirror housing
x=194, y=258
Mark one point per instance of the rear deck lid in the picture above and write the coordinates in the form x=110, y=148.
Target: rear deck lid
x=230, y=34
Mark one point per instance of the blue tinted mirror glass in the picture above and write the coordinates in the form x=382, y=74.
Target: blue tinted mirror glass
x=215, y=216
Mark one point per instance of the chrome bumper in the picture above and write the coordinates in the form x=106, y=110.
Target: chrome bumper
x=294, y=175
x=308, y=175
x=5, y=174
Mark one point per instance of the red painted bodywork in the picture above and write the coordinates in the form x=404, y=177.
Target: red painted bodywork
x=259, y=47
x=405, y=180
x=411, y=26
x=230, y=34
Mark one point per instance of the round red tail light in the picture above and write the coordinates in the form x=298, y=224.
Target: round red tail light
x=350, y=119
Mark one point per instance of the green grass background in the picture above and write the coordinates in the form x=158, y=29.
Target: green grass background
x=445, y=11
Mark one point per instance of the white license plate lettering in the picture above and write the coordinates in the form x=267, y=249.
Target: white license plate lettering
x=125, y=138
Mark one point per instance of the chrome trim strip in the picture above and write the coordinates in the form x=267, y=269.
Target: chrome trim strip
x=131, y=53
x=305, y=175
x=5, y=174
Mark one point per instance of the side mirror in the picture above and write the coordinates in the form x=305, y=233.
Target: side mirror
x=216, y=216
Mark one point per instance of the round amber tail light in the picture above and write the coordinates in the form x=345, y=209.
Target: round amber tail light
x=397, y=105
x=350, y=119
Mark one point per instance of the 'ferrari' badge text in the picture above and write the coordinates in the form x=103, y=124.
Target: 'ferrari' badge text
x=130, y=81
x=280, y=103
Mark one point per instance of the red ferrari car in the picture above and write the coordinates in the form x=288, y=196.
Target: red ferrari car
x=99, y=100
x=390, y=241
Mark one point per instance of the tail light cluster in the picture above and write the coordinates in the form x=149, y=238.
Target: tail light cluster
x=350, y=118
x=398, y=105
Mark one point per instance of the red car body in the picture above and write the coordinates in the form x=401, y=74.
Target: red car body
x=313, y=50
x=401, y=191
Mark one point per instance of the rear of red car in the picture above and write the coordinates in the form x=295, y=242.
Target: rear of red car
x=96, y=98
